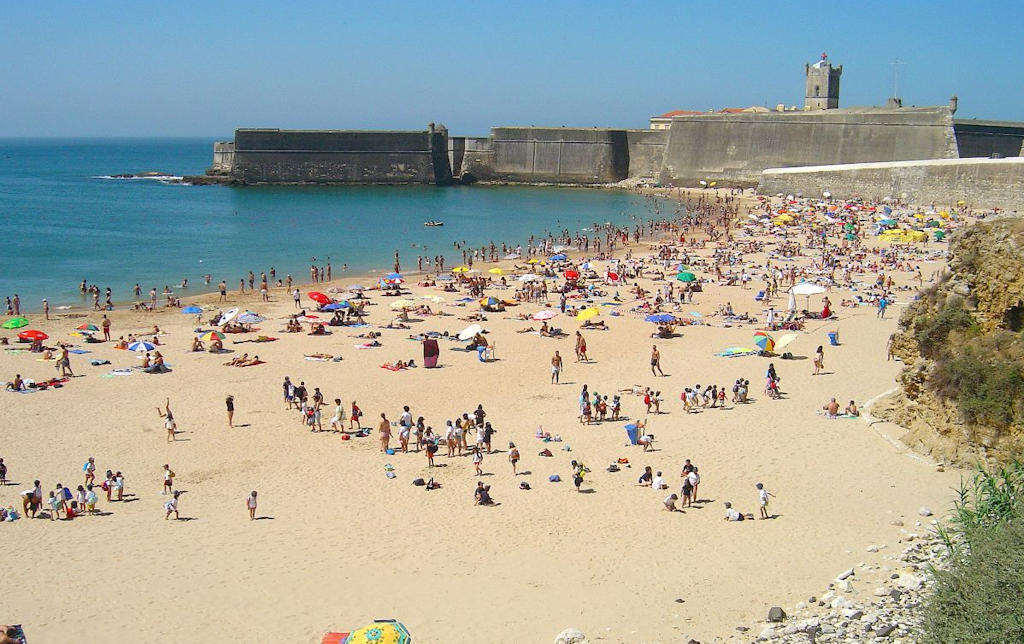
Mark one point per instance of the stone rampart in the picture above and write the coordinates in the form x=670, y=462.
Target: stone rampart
x=550, y=155
x=733, y=149
x=988, y=138
x=646, y=149
x=982, y=183
x=336, y=156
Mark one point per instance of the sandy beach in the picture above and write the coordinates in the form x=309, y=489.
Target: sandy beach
x=338, y=543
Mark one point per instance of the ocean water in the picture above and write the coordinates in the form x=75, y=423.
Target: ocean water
x=61, y=221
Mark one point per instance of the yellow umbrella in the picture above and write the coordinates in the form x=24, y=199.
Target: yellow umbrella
x=588, y=313
x=496, y=271
x=460, y=269
x=532, y=261
x=381, y=632
x=402, y=304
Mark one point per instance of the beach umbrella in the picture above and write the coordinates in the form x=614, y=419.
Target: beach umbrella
x=560, y=257
x=764, y=341
x=544, y=314
x=496, y=271
x=210, y=336
x=381, y=632
x=686, y=276
x=940, y=235
x=488, y=301
x=532, y=261
x=785, y=340
x=333, y=306
x=436, y=299
x=250, y=318
x=33, y=334
x=357, y=287
x=318, y=297
x=309, y=318
x=460, y=269
x=807, y=288
x=393, y=276
x=192, y=310
x=227, y=317
x=529, y=277
x=87, y=327
x=571, y=275
x=81, y=334
x=588, y=313
x=402, y=304
x=141, y=346
x=660, y=318
x=15, y=323
x=470, y=331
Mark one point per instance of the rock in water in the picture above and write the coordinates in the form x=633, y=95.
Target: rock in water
x=571, y=636
x=776, y=614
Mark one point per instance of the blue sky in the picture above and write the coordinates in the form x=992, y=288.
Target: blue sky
x=203, y=68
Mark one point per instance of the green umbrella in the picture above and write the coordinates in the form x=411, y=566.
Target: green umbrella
x=940, y=234
x=15, y=323
x=686, y=276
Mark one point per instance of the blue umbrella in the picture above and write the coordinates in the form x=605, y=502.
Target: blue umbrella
x=249, y=318
x=141, y=346
x=192, y=310
x=560, y=257
x=393, y=276
x=333, y=306
x=659, y=318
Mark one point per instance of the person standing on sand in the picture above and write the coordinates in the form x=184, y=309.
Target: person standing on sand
x=581, y=348
x=223, y=289
x=656, y=361
x=556, y=368
x=763, y=495
x=513, y=457
x=230, y=403
x=250, y=503
x=169, y=423
x=819, y=360
x=46, y=309
x=168, y=479
x=882, y=304
x=385, y=432
x=105, y=324
x=16, y=303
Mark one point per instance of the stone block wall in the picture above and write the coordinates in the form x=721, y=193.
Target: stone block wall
x=733, y=149
x=982, y=183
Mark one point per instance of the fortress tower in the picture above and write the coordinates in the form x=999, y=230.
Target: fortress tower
x=822, y=86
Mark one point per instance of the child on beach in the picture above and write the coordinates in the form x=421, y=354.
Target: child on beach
x=478, y=460
x=513, y=457
x=250, y=503
x=169, y=423
x=763, y=495
x=670, y=502
x=356, y=414
x=168, y=479
x=172, y=506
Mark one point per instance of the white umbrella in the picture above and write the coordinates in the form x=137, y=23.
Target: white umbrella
x=529, y=277
x=227, y=316
x=250, y=318
x=807, y=288
x=785, y=340
x=545, y=314
x=470, y=331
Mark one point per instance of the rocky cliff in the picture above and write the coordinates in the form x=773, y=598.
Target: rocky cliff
x=962, y=391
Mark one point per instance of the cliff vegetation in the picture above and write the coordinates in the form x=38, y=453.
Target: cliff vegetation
x=962, y=391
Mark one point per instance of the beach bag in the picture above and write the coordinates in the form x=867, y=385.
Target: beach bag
x=544, y=452
x=419, y=482
x=613, y=468
x=524, y=486
x=554, y=478
x=787, y=356
x=346, y=437
x=85, y=466
x=67, y=494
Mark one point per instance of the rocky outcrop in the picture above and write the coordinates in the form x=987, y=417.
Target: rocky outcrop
x=962, y=344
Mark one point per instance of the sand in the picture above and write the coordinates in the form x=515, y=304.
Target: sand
x=339, y=544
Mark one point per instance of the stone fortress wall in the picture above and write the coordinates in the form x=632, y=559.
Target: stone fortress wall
x=980, y=182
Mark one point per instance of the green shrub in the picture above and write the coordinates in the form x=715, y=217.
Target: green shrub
x=978, y=598
x=989, y=390
x=932, y=331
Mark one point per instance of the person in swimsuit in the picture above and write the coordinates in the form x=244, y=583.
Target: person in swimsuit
x=230, y=403
x=556, y=367
x=250, y=503
x=656, y=361
x=169, y=423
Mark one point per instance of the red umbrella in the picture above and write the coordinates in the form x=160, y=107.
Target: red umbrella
x=572, y=275
x=318, y=297
x=33, y=334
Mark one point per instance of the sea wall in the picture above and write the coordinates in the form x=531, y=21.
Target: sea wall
x=550, y=155
x=337, y=156
x=733, y=149
x=988, y=138
x=982, y=183
x=646, y=150
x=223, y=158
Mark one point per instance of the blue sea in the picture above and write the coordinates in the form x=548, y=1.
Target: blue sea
x=62, y=220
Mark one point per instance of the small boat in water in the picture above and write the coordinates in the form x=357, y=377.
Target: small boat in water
x=433, y=223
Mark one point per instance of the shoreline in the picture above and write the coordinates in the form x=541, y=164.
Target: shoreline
x=85, y=307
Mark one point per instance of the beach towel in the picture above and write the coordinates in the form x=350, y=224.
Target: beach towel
x=368, y=345
x=736, y=352
x=122, y=372
x=318, y=358
x=251, y=364
x=97, y=363
x=79, y=351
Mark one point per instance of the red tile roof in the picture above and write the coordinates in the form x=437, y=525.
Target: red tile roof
x=668, y=115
